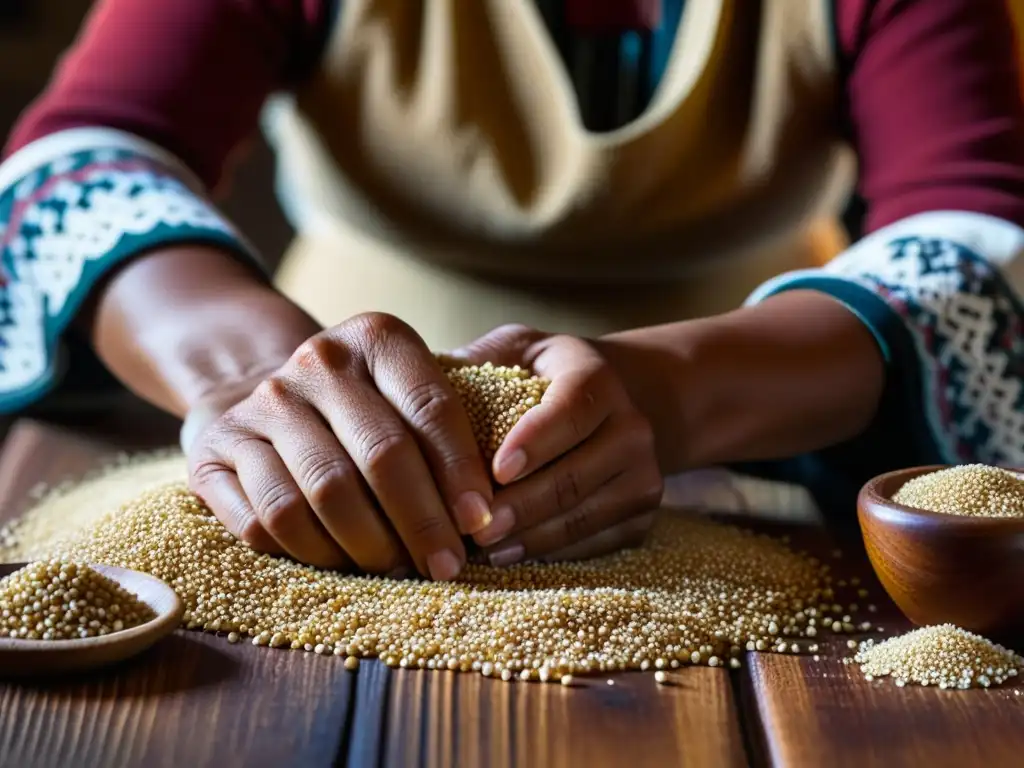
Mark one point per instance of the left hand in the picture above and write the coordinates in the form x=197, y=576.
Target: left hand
x=579, y=473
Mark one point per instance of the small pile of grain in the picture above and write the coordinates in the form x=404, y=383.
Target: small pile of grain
x=495, y=397
x=942, y=655
x=59, y=600
x=973, y=490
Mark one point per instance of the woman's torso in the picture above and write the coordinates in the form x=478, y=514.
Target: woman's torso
x=438, y=167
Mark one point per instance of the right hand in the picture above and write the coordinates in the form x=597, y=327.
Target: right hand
x=356, y=452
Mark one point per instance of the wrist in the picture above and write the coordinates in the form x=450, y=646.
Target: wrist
x=230, y=344
x=796, y=373
x=180, y=325
x=654, y=365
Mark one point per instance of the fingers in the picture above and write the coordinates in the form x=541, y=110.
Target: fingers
x=623, y=498
x=414, y=384
x=505, y=345
x=280, y=506
x=252, y=493
x=389, y=459
x=334, y=490
x=580, y=397
x=562, y=486
x=216, y=483
x=361, y=421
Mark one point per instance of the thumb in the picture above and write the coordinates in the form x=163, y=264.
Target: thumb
x=206, y=411
x=196, y=422
x=506, y=345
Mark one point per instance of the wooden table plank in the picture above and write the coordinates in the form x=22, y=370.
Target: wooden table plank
x=191, y=700
x=824, y=712
x=445, y=719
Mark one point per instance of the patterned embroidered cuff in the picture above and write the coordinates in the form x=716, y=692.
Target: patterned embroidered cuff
x=940, y=293
x=72, y=205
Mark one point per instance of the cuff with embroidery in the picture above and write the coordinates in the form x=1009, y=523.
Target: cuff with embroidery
x=941, y=293
x=72, y=205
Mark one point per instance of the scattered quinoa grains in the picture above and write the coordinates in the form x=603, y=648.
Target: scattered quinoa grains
x=944, y=655
x=567, y=680
x=696, y=592
x=972, y=490
x=57, y=599
x=351, y=663
x=660, y=677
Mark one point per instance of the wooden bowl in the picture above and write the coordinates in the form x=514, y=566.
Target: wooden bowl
x=941, y=568
x=46, y=658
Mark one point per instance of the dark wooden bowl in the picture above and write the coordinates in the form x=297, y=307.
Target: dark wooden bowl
x=941, y=568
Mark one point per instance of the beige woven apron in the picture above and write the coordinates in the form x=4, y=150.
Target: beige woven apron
x=438, y=169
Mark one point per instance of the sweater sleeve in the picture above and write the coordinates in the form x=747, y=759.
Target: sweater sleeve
x=120, y=152
x=935, y=113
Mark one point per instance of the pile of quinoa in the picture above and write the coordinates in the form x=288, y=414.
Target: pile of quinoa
x=943, y=655
x=972, y=490
x=697, y=592
x=60, y=600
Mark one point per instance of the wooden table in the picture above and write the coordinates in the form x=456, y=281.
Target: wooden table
x=195, y=700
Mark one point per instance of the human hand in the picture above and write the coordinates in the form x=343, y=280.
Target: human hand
x=579, y=473
x=355, y=452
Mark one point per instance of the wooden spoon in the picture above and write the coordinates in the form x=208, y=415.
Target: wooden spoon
x=39, y=658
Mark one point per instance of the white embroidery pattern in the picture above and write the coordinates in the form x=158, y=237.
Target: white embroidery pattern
x=967, y=325
x=64, y=224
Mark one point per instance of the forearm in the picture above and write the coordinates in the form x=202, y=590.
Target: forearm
x=795, y=373
x=176, y=323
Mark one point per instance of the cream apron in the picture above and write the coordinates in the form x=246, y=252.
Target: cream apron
x=437, y=169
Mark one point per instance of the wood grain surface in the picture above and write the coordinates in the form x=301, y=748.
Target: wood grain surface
x=196, y=700
x=473, y=721
x=822, y=712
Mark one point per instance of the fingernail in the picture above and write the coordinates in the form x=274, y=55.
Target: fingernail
x=444, y=565
x=511, y=466
x=472, y=513
x=506, y=556
x=502, y=523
